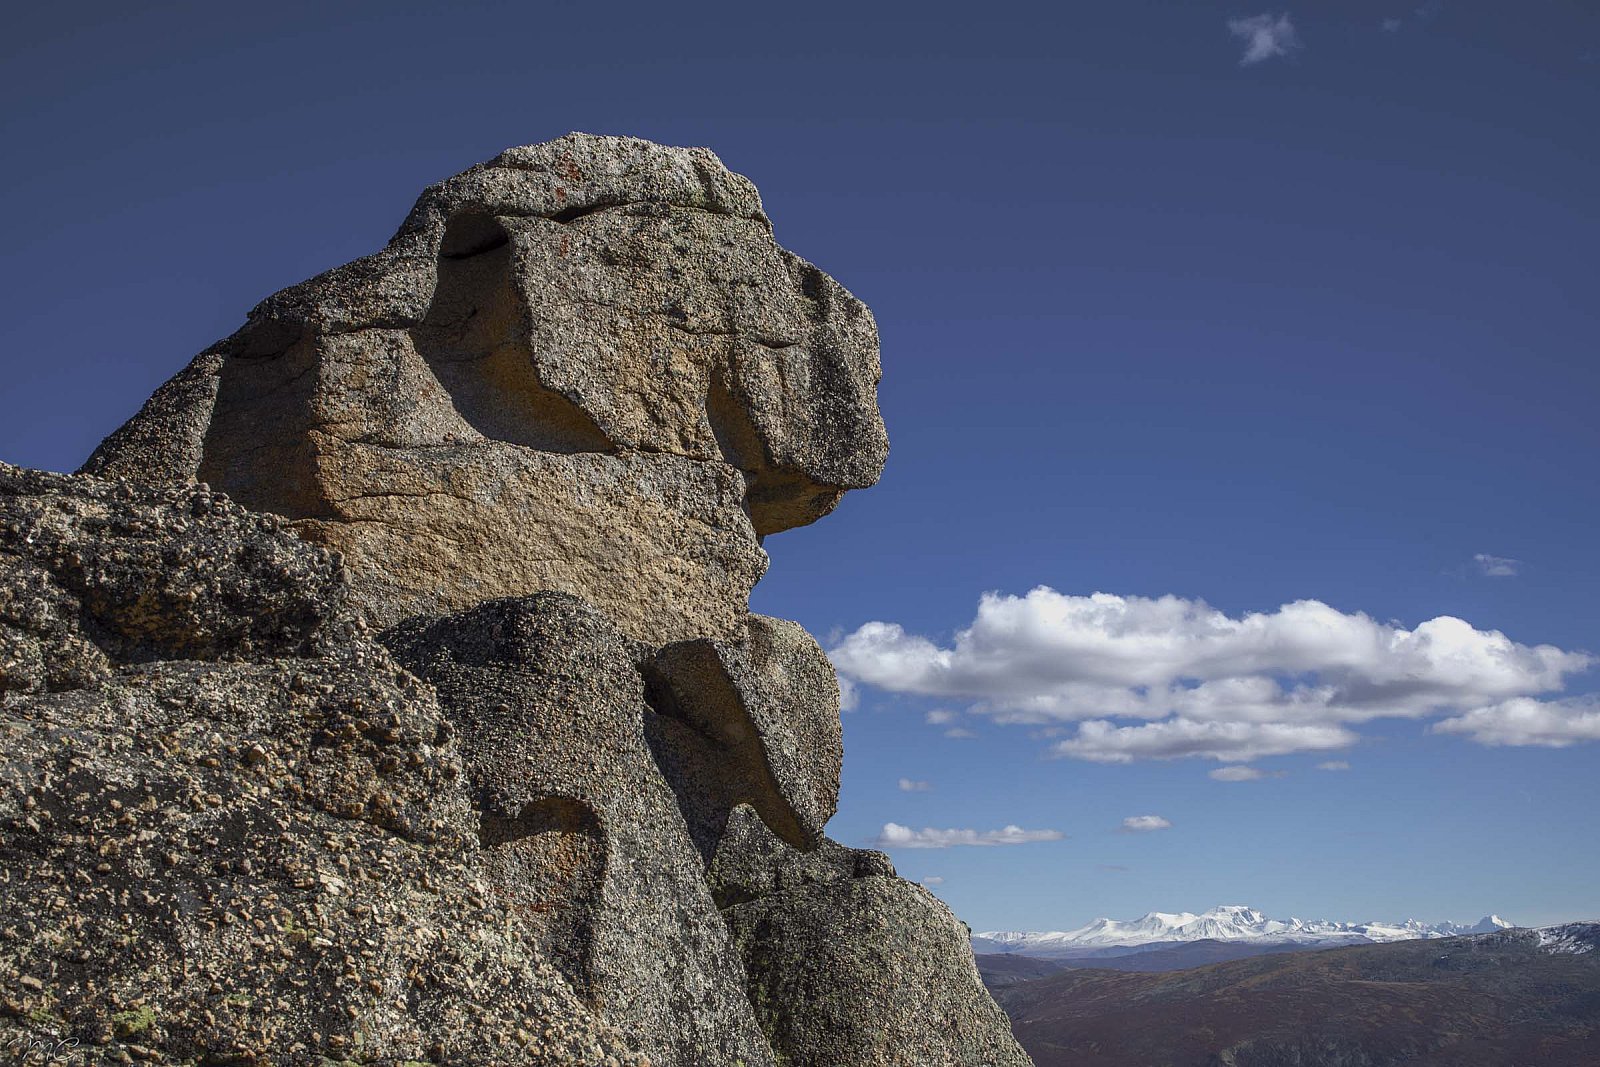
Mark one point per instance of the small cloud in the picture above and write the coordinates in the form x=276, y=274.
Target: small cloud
x=896, y=836
x=1265, y=37
x=1114, y=867
x=1144, y=824
x=932, y=880
x=945, y=717
x=909, y=786
x=1391, y=25
x=1334, y=765
x=1238, y=773
x=1497, y=566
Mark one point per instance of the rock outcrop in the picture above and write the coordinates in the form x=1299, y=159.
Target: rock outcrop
x=232, y=829
x=583, y=366
x=848, y=963
x=581, y=828
x=569, y=805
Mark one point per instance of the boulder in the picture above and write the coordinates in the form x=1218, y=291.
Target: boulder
x=232, y=830
x=848, y=963
x=770, y=702
x=584, y=366
x=581, y=826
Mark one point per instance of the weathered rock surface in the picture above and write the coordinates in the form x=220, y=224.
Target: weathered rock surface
x=98, y=574
x=231, y=829
x=751, y=862
x=848, y=963
x=868, y=970
x=771, y=702
x=584, y=366
x=580, y=825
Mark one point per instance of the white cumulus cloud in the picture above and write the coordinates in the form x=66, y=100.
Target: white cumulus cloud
x=1106, y=742
x=1170, y=677
x=1144, y=824
x=909, y=786
x=1523, y=721
x=1264, y=37
x=1240, y=773
x=896, y=836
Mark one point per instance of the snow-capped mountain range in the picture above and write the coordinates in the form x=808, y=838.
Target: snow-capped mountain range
x=1230, y=922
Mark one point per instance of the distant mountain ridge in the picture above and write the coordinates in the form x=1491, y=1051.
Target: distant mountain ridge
x=1226, y=923
x=1572, y=939
x=1511, y=998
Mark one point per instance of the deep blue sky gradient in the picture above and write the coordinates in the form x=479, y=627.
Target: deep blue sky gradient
x=1152, y=323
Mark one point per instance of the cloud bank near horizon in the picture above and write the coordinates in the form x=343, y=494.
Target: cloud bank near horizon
x=1169, y=677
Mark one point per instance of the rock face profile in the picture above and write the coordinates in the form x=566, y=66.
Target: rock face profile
x=385, y=691
x=583, y=366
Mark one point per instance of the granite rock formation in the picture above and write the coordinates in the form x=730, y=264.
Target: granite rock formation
x=569, y=805
x=583, y=366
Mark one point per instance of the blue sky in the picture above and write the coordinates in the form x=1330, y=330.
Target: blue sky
x=1157, y=322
